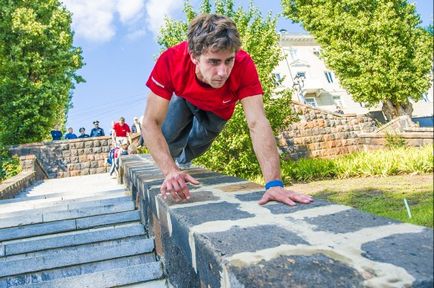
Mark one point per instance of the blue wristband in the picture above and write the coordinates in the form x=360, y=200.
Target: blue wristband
x=274, y=183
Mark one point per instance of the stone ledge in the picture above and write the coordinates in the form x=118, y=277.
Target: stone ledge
x=31, y=171
x=223, y=238
x=12, y=186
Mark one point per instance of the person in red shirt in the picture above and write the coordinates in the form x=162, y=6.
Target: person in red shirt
x=121, y=132
x=195, y=86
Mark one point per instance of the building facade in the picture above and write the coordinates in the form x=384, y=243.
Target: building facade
x=315, y=84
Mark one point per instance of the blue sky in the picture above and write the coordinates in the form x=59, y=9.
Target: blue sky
x=118, y=38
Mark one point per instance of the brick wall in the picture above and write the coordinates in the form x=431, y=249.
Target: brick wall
x=412, y=137
x=321, y=133
x=69, y=157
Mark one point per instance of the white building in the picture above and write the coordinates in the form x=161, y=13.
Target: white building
x=315, y=84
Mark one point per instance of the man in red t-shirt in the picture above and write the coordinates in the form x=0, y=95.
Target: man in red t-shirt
x=121, y=131
x=195, y=86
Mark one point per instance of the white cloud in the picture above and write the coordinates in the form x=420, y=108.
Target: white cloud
x=93, y=20
x=157, y=10
x=130, y=10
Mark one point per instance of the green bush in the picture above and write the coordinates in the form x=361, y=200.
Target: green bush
x=9, y=165
x=404, y=160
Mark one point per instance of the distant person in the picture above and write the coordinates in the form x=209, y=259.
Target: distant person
x=96, y=131
x=83, y=133
x=117, y=152
x=136, y=127
x=120, y=132
x=339, y=110
x=70, y=135
x=56, y=134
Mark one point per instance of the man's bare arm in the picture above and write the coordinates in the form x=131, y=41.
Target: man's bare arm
x=266, y=152
x=155, y=113
x=175, y=180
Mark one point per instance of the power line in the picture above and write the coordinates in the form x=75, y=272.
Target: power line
x=98, y=108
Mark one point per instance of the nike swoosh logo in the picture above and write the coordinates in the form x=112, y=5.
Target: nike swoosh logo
x=226, y=101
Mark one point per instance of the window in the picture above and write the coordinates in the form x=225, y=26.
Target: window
x=293, y=53
x=300, y=75
x=311, y=101
x=329, y=76
x=316, y=51
x=337, y=100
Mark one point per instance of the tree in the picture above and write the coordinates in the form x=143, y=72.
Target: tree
x=232, y=152
x=377, y=48
x=38, y=66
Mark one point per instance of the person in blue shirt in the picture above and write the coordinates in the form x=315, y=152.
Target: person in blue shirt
x=83, y=133
x=56, y=134
x=70, y=134
x=97, y=131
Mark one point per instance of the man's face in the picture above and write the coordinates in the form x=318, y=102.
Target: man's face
x=70, y=130
x=214, y=68
x=121, y=122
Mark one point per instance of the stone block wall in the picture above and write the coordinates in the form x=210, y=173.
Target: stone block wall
x=31, y=172
x=67, y=158
x=413, y=137
x=320, y=133
x=221, y=237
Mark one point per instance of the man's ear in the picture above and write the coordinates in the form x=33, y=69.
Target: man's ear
x=193, y=59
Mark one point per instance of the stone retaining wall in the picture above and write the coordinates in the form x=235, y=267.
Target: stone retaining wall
x=31, y=172
x=414, y=138
x=320, y=133
x=69, y=157
x=221, y=237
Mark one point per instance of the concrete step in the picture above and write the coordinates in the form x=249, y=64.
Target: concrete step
x=67, y=225
x=71, y=238
x=60, y=257
x=75, y=270
x=162, y=283
x=44, y=217
x=62, y=206
x=107, y=278
x=60, y=196
x=58, y=200
x=91, y=183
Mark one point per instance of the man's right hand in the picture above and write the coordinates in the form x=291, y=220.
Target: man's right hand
x=175, y=184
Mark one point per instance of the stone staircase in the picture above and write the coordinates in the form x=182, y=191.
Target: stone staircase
x=75, y=232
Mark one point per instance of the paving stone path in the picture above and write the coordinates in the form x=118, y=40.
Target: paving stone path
x=75, y=232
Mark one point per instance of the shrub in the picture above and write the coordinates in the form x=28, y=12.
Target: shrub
x=9, y=165
x=404, y=160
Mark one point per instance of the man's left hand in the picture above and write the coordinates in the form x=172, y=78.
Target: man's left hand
x=285, y=196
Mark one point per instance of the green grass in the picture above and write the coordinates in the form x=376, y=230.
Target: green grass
x=397, y=161
x=383, y=196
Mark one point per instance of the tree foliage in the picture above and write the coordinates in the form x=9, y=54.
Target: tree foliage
x=376, y=48
x=38, y=66
x=9, y=165
x=232, y=152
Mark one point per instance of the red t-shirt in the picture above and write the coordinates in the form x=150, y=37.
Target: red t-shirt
x=174, y=73
x=121, y=131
